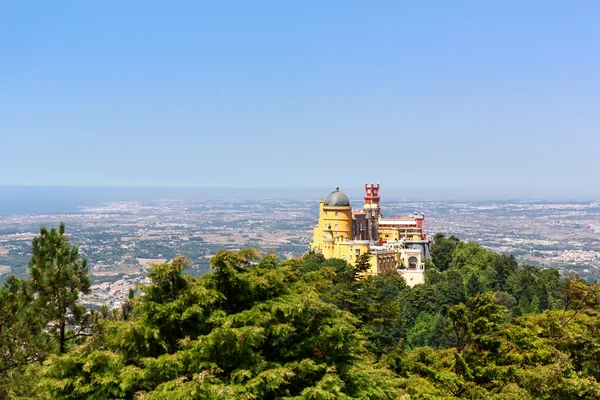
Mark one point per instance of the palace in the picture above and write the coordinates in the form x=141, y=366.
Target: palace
x=397, y=244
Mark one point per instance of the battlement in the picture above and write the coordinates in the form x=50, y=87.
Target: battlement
x=372, y=193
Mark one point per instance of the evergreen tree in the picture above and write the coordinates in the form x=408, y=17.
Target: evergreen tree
x=544, y=298
x=523, y=282
x=474, y=286
x=442, y=250
x=439, y=332
x=505, y=300
x=362, y=265
x=58, y=275
x=474, y=323
x=23, y=337
x=385, y=326
x=451, y=288
x=421, y=331
x=127, y=306
x=504, y=266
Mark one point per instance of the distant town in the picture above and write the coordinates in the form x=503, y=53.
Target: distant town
x=121, y=239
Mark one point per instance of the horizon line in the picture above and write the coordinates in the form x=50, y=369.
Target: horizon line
x=477, y=193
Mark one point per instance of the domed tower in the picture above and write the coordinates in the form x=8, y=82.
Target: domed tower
x=335, y=223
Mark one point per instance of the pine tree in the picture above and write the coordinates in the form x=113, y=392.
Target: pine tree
x=127, y=306
x=442, y=250
x=363, y=265
x=474, y=286
x=452, y=288
x=58, y=275
x=544, y=302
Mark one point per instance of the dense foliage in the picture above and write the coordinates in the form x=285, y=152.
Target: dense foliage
x=482, y=327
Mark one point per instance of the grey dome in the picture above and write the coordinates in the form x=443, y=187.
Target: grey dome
x=337, y=199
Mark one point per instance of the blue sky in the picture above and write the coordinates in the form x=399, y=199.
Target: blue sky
x=454, y=97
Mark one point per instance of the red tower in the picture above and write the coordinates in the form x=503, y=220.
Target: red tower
x=372, y=193
x=372, y=211
x=420, y=219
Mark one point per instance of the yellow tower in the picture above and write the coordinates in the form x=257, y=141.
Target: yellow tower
x=335, y=224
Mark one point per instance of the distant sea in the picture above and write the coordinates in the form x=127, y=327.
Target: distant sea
x=43, y=200
x=35, y=200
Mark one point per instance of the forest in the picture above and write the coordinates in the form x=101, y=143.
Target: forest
x=259, y=327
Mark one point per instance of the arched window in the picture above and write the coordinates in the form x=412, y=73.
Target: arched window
x=412, y=262
x=336, y=213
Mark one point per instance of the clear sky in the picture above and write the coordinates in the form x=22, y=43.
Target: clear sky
x=489, y=98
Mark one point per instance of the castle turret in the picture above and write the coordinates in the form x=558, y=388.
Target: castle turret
x=372, y=195
x=372, y=211
x=335, y=223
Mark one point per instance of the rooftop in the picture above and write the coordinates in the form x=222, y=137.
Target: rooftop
x=337, y=199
